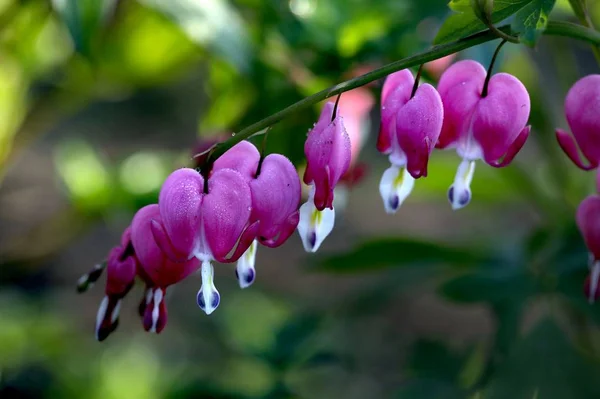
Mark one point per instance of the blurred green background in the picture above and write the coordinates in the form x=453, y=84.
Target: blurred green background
x=101, y=99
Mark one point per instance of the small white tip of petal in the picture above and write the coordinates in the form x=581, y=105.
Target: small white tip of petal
x=395, y=186
x=245, y=270
x=101, y=314
x=459, y=194
x=208, y=297
x=157, y=298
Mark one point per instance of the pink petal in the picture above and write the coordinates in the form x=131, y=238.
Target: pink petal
x=242, y=157
x=460, y=74
x=311, y=141
x=418, y=126
x=225, y=211
x=180, y=200
x=155, y=314
x=120, y=271
x=396, y=92
x=500, y=116
x=513, y=149
x=328, y=154
x=582, y=108
x=247, y=237
x=164, y=242
x=403, y=78
x=121, y=267
x=460, y=90
x=569, y=146
x=159, y=269
x=287, y=229
x=588, y=221
x=276, y=194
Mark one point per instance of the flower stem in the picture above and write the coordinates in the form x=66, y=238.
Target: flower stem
x=564, y=29
x=417, y=79
x=484, y=92
x=335, y=107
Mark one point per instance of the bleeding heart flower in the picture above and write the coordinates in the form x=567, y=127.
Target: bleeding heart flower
x=159, y=269
x=275, y=190
x=208, y=220
x=480, y=125
x=582, y=108
x=410, y=127
x=121, y=269
x=588, y=221
x=328, y=154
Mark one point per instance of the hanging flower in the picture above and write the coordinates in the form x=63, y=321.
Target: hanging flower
x=328, y=154
x=275, y=189
x=582, y=108
x=410, y=126
x=121, y=269
x=481, y=121
x=206, y=219
x=160, y=271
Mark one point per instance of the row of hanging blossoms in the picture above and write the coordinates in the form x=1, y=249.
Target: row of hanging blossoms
x=240, y=198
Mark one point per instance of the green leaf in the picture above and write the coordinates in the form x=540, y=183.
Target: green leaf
x=532, y=19
x=544, y=365
x=465, y=22
x=397, y=252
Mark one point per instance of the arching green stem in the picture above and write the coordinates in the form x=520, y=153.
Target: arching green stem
x=565, y=29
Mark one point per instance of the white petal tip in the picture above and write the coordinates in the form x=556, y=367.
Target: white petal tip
x=208, y=297
x=459, y=198
x=244, y=270
x=314, y=226
x=395, y=186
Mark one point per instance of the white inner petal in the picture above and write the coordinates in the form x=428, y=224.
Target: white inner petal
x=314, y=225
x=467, y=147
x=460, y=191
x=115, y=314
x=208, y=289
x=395, y=186
x=202, y=250
x=245, y=265
x=101, y=313
x=158, y=297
